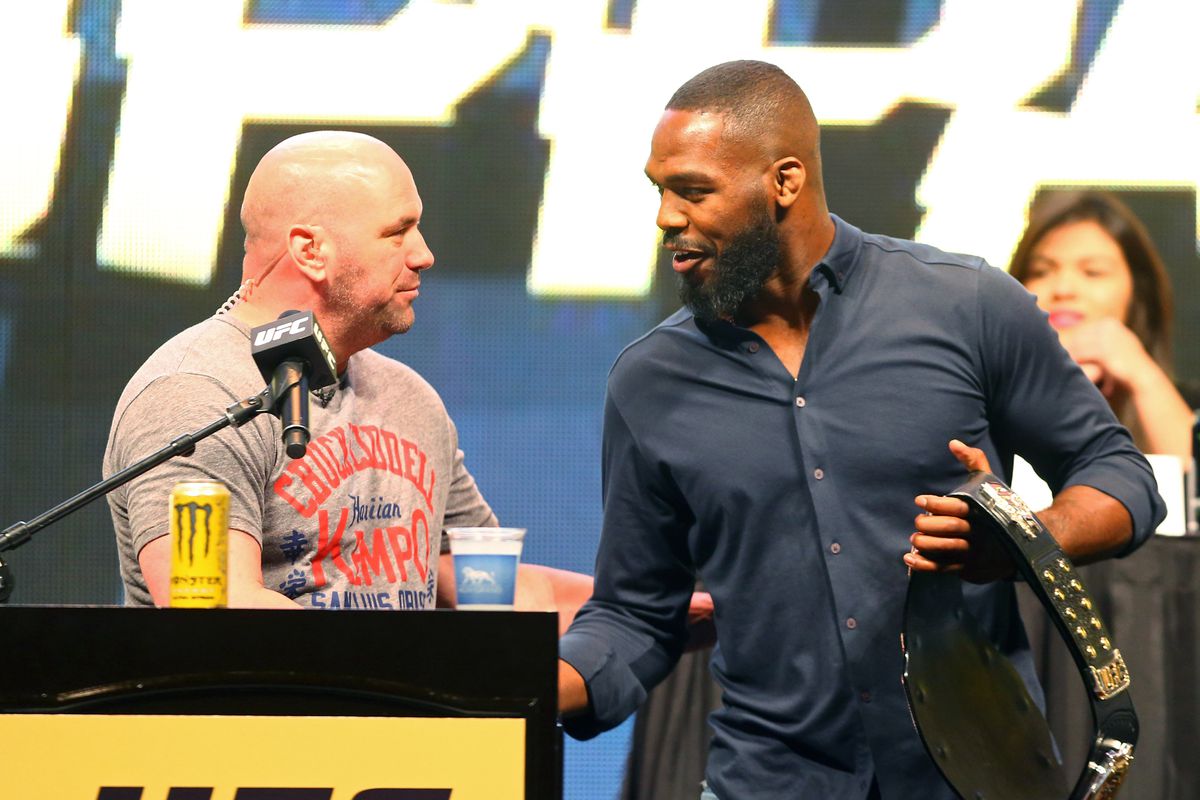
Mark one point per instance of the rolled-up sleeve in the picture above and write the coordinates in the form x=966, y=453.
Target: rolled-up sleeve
x=629, y=635
x=1042, y=406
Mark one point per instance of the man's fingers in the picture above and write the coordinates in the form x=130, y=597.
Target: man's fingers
x=941, y=526
x=935, y=546
x=943, y=541
x=937, y=505
x=920, y=563
x=970, y=457
x=936, y=553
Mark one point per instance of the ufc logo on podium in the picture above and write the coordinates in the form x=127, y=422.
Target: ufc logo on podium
x=271, y=793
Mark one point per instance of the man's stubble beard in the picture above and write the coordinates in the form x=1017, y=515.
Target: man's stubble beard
x=374, y=324
x=738, y=274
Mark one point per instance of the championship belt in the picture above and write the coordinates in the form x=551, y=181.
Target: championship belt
x=970, y=706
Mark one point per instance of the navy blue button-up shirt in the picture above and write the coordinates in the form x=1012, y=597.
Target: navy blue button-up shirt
x=793, y=501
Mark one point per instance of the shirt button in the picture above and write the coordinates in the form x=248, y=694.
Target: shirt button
x=800, y=402
x=835, y=548
x=864, y=696
x=818, y=473
x=752, y=347
x=852, y=623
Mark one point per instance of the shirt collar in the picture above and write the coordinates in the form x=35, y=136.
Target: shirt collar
x=834, y=268
x=838, y=263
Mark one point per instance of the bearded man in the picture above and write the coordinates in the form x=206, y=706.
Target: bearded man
x=772, y=436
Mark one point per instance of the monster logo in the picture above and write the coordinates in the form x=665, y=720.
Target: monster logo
x=192, y=508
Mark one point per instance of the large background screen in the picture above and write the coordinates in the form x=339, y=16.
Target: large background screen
x=130, y=130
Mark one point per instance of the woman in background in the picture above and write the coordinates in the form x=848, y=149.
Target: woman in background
x=1094, y=270
x=1096, y=273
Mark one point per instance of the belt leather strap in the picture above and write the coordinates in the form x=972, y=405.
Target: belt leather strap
x=969, y=704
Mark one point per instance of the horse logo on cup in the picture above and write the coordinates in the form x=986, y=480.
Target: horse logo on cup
x=479, y=580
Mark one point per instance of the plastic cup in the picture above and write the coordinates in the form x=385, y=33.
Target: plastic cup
x=485, y=566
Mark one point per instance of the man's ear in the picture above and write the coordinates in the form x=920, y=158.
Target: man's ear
x=788, y=175
x=308, y=248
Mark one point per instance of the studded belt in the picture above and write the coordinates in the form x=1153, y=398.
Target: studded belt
x=970, y=706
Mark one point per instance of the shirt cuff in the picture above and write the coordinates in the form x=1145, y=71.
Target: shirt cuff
x=1140, y=497
x=614, y=692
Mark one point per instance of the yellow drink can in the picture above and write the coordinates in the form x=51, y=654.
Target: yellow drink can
x=199, y=545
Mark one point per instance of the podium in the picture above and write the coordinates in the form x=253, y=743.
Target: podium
x=182, y=704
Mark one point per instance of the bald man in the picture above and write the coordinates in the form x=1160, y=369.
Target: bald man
x=332, y=223
x=772, y=436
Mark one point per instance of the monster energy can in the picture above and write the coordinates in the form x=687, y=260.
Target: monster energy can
x=199, y=544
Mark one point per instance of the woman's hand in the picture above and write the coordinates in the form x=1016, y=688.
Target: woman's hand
x=1110, y=355
x=1114, y=359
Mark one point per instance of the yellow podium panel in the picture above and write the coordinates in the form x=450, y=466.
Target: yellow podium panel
x=86, y=756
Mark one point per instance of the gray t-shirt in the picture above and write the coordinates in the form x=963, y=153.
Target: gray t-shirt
x=356, y=523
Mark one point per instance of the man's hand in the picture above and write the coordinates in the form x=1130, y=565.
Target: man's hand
x=944, y=541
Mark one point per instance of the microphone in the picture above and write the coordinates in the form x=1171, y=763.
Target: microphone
x=293, y=355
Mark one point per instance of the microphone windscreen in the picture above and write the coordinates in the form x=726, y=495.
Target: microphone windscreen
x=295, y=334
